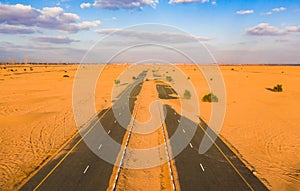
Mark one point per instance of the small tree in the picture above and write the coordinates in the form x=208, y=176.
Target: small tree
x=117, y=82
x=210, y=98
x=169, y=78
x=278, y=88
x=187, y=94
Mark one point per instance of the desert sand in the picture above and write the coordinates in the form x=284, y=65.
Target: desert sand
x=157, y=177
x=261, y=126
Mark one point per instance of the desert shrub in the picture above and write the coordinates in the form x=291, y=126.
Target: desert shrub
x=210, y=98
x=24, y=69
x=31, y=69
x=133, y=77
x=232, y=69
x=66, y=76
x=66, y=71
x=169, y=78
x=117, y=82
x=211, y=79
x=278, y=88
x=188, y=78
x=12, y=70
x=147, y=79
x=187, y=94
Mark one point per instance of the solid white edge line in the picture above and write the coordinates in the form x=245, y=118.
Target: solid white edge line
x=167, y=150
x=125, y=148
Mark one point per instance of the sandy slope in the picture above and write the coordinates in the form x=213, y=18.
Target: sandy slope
x=263, y=126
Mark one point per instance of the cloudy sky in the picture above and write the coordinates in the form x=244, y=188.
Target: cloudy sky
x=239, y=31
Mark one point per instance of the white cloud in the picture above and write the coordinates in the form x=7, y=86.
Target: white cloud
x=53, y=18
x=244, y=12
x=168, y=37
x=12, y=29
x=293, y=28
x=189, y=1
x=85, y=5
x=124, y=4
x=55, y=39
x=268, y=13
x=279, y=9
x=264, y=29
x=87, y=24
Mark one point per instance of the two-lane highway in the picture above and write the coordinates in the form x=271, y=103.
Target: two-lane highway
x=218, y=169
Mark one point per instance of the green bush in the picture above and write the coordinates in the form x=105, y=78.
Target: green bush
x=210, y=98
x=117, y=82
x=169, y=78
x=187, y=94
x=278, y=88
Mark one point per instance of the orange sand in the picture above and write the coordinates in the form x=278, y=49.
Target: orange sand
x=36, y=115
x=155, y=178
x=261, y=126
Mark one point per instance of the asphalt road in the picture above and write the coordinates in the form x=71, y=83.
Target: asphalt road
x=77, y=167
x=218, y=169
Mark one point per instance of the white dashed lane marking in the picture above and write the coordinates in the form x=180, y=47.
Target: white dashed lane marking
x=183, y=130
x=201, y=167
x=108, y=132
x=191, y=145
x=86, y=169
x=99, y=147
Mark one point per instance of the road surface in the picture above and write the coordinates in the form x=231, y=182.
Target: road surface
x=78, y=168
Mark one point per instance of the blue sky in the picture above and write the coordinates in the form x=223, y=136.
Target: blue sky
x=248, y=31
